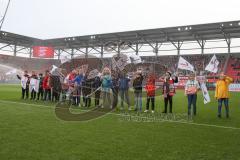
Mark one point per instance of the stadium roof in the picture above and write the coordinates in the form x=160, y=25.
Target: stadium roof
x=221, y=30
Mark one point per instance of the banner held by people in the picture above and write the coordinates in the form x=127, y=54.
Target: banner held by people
x=202, y=81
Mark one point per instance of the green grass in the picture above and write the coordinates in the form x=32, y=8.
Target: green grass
x=34, y=132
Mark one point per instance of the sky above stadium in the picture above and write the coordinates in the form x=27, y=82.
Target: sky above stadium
x=62, y=18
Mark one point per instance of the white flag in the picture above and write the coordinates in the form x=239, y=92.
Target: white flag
x=122, y=61
x=135, y=59
x=64, y=59
x=213, y=65
x=205, y=93
x=14, y=71
x=185, y=65
x=92, y=74
x=53, y=69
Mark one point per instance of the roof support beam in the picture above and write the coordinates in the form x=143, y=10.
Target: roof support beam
x=178, y=46
x=15, y=50
x=5, y=46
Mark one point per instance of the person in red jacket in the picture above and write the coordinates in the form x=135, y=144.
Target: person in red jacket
x=150, y=88
x=46, y=86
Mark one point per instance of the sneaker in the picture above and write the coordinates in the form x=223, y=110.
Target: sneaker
x=145, y=111
x=152, y=111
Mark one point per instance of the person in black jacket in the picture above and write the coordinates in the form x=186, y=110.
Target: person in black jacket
x=137, y=85
x=97, y=83
x=115, y=87
x=88, y=91
x=40, y=90
x=56, y=87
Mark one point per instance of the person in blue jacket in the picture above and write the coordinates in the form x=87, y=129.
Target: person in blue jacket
x=123, y=88
x=77, y=88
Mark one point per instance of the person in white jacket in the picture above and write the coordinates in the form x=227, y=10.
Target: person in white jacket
x=25, y=81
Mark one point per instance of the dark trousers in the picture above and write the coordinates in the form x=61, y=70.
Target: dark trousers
x=124, y=97
x=76, y=97
x=166, y=100
x=192, y=101
x=33, y=94
x=25, y=91
x=87, y=101
x=40, y=94
x=115, y=97
x=97, y=97
x=47, y=94
x=152, y=99
x=225, y=100
x=55, y=96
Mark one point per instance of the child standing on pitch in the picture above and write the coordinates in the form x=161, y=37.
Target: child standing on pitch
x=33, y=85
x=106, y=87
x=191, y=89
x=222, y=93
x=40, y=90
x=150, y=88
x=169, y=90
x=137, y=85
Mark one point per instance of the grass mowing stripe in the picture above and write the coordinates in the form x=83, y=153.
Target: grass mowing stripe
x=116, y=114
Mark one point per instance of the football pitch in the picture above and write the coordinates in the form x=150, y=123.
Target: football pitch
x=30, y=130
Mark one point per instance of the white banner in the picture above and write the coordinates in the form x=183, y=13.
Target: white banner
x=205, y=93
x=185, y=65
x=34, y=84
x=213, y=65
x=24, y=82
x=234, y=87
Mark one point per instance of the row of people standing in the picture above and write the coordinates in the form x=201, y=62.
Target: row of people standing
x=46, y=88
x=80, y=84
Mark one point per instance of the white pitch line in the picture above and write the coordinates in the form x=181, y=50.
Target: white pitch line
x=191, y=123
x=28, y=104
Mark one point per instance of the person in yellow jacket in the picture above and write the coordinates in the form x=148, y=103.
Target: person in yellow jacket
x=222, y=93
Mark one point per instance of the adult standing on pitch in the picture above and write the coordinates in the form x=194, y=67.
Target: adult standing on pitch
x=169, y=90
x=222, y=93
x=191, y=89
x=25, y=81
